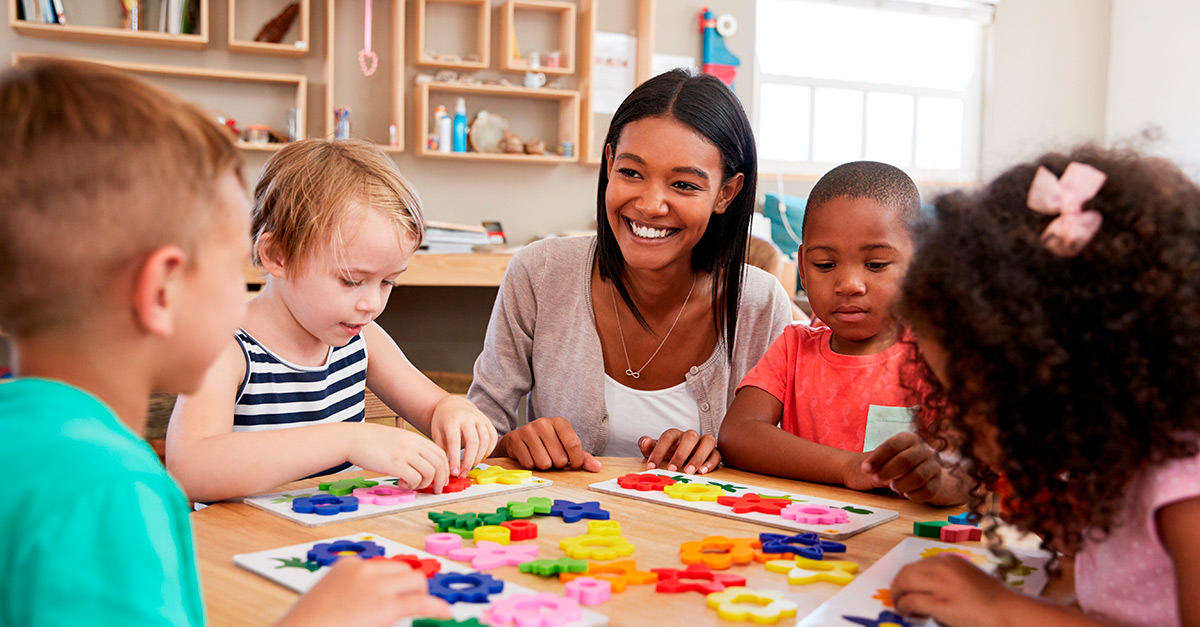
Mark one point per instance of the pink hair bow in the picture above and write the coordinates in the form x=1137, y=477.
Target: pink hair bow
x=1067, y=234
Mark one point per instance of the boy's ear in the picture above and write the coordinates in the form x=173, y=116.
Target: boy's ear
x=156, y=289
x=268, y=255
x=729, y=191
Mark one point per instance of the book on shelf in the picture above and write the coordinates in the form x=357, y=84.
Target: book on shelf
x=457, y=234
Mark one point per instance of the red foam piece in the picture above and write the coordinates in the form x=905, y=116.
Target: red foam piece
x=644, y=482
x=455, y=484
x=429, y=567
x=747, y=503
x=960, y=533
x=696, y=578
x=521, y=529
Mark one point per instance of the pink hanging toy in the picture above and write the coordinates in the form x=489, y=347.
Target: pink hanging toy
x=367, y=59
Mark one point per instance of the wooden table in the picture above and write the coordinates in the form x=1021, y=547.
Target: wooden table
x=238, y=597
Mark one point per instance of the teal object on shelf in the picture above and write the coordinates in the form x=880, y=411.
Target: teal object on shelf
x=786, y=218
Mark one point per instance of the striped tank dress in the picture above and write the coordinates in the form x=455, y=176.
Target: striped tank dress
x=277, y=394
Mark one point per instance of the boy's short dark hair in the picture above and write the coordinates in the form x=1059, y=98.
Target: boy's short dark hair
x=883, y=183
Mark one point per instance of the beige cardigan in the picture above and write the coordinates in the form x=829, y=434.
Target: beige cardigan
x=542, y=343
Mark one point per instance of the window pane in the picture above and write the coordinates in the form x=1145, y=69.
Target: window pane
x=784, y=115
x=865, y=45
x=939, y=133
x=890, y=128
x=837, y=125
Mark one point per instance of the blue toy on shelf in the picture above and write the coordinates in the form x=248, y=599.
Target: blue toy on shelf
x=717, y=60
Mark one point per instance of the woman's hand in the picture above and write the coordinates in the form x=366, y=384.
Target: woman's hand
x=687, y=451
x=547, y=443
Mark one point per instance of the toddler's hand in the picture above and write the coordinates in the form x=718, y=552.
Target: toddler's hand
x=383, y=592
x=685, y=451
x=547, y=443
x=949, y=589
x=907, y=465
x=416, y=461
x=458, y=425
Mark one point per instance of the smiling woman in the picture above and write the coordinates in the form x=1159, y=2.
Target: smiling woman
x=630, y=343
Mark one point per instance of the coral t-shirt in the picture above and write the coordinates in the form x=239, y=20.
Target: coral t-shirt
x=851, y=402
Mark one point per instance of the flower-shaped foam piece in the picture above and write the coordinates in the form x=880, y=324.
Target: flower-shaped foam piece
x=695, y=578
x=571, y=511
x=427, y=566
x=644, y=482
x=693, y=492
x=342, y=487
x=619, y=574
x=488, y=555
x=384, y=495
x=814, y=514
x=327, y=553
x=718, y=552
x=550, y=568
x=545, y=609
x=520, y=529
x=493, y=533
x=760, y=606
x=885, y=619
x=324, y=504
x=496, y=474
x=588, y=546
x=960, y=533
x=589, y=590
x=604, y=528
x=750, y=502
x=805, y=571
x=454, y=484
x=466, y=587
x=442, y=543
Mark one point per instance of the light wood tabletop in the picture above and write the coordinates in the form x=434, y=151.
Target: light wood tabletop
x=234, y=596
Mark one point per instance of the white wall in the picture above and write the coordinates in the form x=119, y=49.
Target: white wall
x=1154, y=77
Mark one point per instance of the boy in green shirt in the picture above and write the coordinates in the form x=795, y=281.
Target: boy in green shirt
x=124, y=228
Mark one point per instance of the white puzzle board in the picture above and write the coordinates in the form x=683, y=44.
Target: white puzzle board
x=280, y=503
x=858, y=521
x=861, y=597
x=270, y=564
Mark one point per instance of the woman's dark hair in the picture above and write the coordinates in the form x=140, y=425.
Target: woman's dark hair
x=1086, y=369
x=707, y=106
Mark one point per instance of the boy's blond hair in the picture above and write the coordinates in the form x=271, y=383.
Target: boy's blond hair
x=304, y=192
x=97, y=169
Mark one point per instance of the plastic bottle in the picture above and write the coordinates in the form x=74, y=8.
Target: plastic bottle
x=441, y=129
x=460, y=126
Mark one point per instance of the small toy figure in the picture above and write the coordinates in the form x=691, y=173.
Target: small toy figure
x=718, y=60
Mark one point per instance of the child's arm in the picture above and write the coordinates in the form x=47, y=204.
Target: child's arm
x=1177, y=524
x=453, y=422
x=213, y=463
x=383, y=591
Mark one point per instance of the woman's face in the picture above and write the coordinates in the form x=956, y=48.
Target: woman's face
x=664, y=183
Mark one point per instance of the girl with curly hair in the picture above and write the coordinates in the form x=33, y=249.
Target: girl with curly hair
x=1059, y=310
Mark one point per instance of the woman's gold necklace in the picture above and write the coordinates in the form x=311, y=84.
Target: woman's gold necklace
x=629, y=371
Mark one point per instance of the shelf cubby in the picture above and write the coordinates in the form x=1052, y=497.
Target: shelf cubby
x=511, y=15
x=95, y=34
x=258, y=12
x=483, y=33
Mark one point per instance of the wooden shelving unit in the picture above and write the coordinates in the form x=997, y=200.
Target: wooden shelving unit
x=483, y=36
x=590, y=149
x=396, y=25
x=297, y=48
x=110, y=34
x=509, y=16
x=568, y=120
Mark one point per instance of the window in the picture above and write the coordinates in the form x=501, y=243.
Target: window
x=897, y=81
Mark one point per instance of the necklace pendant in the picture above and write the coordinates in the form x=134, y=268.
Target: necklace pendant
x=631, y=373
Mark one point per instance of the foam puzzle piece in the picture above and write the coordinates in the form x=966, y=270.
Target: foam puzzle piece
x=449, y=622
x=960, y=533
x=520, y=529
x=540, y=505
x=465, y=587
x=429, y=567
x=442, y=543
x=753, y=503
x=571, y=511
x=493, y=533
x=814, y=513
x=496, y=474
x=930, y=529
x=589, y=590
x=718, y=552
x=588, y=546
x=454, y=484
x=544, y=609
x=342, y=487
x=551, y=568
x=326, y=553
x=805, y=571
x=384, y=495
x=886, y=618
x=324, y=505
x=604, y=528
x=965, y=518
x=488, y=555
x=760, y=606
x=644, y=482
x=693, y=492
x=695, y=578
x=619, y=574
x=808, y=545
x=451, y=520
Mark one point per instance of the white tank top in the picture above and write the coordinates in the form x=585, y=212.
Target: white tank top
x=635, y=413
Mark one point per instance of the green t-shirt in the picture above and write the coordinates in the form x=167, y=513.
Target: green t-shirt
x=92, y=529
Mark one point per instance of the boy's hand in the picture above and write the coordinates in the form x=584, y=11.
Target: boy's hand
x=458, y=425
x=907, y=465
x=416, y=461
x=383, y=591
x=547, y=443
x=949, y=589
x=685, y=451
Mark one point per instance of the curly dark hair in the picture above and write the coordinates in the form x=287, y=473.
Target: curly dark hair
x=1087, y=369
